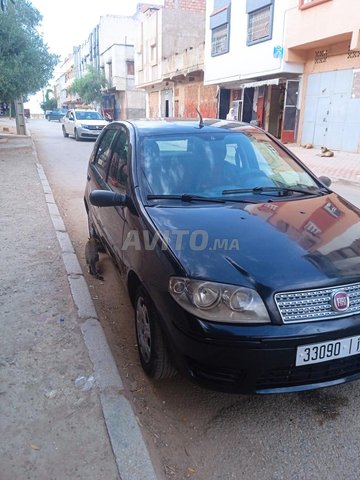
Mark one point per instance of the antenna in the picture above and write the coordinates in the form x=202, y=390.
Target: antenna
x=201, y=121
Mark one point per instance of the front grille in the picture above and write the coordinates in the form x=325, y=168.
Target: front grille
x=94, y=127
x=312, y=305
x=309, y=374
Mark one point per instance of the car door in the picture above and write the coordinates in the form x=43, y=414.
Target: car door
x=69, y=122
x=118, y=181
x=96, y=177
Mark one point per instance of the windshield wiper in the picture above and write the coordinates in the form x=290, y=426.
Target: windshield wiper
x=187, y=197
x=283, y=191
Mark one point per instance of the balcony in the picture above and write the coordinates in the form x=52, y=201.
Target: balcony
x=311, y=25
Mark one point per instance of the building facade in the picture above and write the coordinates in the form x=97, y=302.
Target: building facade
x=324, y=36
x=64, y=81
x=169, y=61
x=244, y=56
x=117, y=36
x=109, y=48
x=290, y=66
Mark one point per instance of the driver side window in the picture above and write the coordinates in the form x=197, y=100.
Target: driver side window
x=103, y=152
x=118, y=171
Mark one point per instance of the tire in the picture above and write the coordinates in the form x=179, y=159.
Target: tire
x=64, y=132
x=153, y=353
x=92, y=233
x=77, y=137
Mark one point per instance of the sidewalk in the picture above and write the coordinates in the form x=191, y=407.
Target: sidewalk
x=63, y=412
x=342, y=166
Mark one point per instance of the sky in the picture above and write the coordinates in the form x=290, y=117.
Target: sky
x=68, y=23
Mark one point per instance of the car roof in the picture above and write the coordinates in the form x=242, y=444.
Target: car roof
x=186, y=126
x=84, y=110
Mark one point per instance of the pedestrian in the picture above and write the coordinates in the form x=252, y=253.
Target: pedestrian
x=231, y=114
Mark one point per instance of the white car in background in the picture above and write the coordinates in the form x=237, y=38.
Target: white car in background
x=83, y=124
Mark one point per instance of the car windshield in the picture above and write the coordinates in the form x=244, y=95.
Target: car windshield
x=88, y=116
x=221, y=165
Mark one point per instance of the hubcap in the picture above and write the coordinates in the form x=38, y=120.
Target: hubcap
x=143, y=329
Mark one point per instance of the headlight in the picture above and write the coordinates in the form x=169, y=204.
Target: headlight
x=218, y=302
x=82, y=125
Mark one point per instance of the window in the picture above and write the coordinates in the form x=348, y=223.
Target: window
x=220, y=40
x=260, y=25
x=130, y=67
x=118, y=173
x=220, y=29
x=102, y=154
x=110, y=73
x=153, y=54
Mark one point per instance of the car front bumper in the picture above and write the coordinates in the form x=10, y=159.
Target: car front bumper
x=87, y=133
x=261, y=358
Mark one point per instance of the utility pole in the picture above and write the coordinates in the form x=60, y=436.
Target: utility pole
x=20, y=117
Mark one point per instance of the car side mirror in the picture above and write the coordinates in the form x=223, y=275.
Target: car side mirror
x=105, y=198
x=325, y=180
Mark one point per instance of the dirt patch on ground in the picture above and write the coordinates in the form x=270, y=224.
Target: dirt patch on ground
x=7, y=126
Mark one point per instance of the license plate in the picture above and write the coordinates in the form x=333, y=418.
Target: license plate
x=325, y=351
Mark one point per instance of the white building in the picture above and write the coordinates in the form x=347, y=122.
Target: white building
x=117, y=35
x=244, y=56
x=108, y=48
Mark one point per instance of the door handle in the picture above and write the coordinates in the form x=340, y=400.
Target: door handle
x=88, y=178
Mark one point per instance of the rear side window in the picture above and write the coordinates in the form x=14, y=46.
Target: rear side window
x=103, y=152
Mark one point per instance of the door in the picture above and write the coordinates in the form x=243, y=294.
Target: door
x=248, y=99
x=97, y=178
x=289, y=123
x=260, y=106
x=322, y=119
x=167, y=103
x=223, y=102
x=237, y=106
x=117, y=181
x=331, y=113
x=275, y=111
x=69, y=122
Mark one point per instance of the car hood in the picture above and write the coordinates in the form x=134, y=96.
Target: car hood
x=278, y=245
x=93, y=122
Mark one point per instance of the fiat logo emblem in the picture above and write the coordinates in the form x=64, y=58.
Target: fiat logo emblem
x=340, y=301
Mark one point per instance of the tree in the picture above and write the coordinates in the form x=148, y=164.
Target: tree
x=90, y=86
x=49, y=103
x=26, y=66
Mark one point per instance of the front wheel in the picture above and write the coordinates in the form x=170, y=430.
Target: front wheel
x=64, y=132
x=77, y=136
x=153, y=353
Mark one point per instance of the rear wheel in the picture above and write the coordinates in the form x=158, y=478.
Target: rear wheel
x=64, y=132
x=154, y=356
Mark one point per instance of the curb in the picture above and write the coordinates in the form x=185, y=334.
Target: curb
x=131, y=454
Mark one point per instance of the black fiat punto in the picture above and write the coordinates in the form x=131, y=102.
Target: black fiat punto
x=242, y=266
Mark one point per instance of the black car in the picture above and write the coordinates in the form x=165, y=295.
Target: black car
x=56, y=114
x=242, y=266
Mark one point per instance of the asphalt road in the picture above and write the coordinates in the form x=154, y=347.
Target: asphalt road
x=192, y=432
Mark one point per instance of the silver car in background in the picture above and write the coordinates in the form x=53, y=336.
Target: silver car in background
x=82, y=124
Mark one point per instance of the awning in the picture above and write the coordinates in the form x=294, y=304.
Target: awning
x=269, y=81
